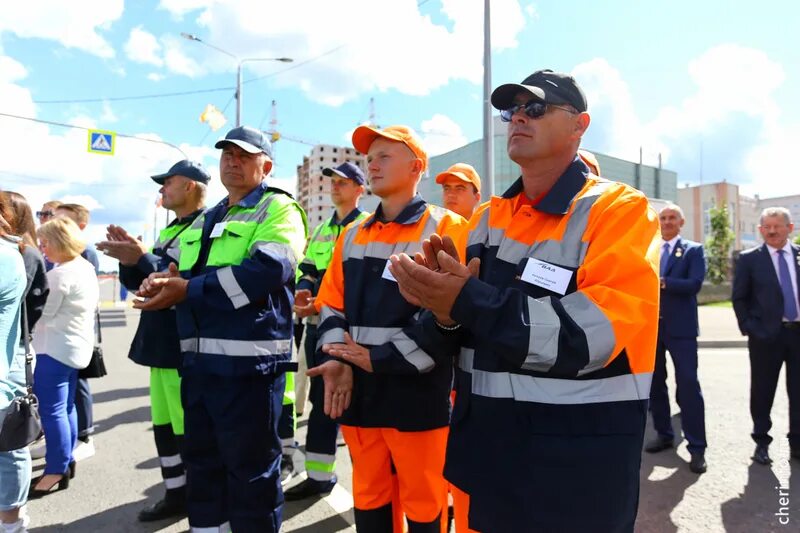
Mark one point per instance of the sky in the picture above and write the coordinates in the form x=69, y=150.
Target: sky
x=709, y=86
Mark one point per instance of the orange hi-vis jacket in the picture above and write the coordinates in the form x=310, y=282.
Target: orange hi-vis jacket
x=407, y=390
x=556, y=355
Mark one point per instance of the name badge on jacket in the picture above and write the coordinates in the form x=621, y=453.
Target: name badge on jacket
x=551, y=277
x=219, y=227
x=386, y=273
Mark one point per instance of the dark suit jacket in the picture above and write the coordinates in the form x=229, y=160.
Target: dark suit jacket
x=683, y=277
x=757, y=297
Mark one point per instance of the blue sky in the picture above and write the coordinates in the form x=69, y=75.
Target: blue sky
x=678, y=78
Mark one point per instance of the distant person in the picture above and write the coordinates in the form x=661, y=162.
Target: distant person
x=63, y=340
x=156, y=344
x=83, y=398
x=461, y=189
x=48, y=211
x=683, y=269
x=765, y=299
x=15, y=466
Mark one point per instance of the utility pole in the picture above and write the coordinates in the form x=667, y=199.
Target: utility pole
x=488, y=127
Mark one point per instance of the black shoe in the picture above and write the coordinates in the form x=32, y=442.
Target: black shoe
x=659, y=444
x=61, y=484
x=166, y=508
x=761, y=455
x=698, y=463
x=795, y=454
x=309, y=488
x=287, y=468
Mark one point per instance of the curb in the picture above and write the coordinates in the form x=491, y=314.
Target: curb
x=722, y=343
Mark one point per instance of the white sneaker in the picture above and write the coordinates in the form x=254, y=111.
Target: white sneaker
x=39, y=451
x=14, y=527
x=83, y=450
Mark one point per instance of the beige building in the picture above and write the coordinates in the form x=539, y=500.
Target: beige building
x=314, y=189
x=696, y=201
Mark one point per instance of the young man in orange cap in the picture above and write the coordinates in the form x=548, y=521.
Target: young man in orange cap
x=461, y=189
x=397, y=419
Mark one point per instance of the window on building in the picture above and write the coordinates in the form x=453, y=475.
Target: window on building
x=321, y=148
x=335, y=150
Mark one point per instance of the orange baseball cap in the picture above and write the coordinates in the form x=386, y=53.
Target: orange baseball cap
x=463, y=172
x=590, y=160
x=363, y=137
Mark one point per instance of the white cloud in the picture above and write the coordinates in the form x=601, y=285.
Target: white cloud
x=740, y=133
x=74, y=24
x=143, y=47
x=155, y=76
x=441, y=134
x=108, y=116
x=177, y=61
x=388, y=43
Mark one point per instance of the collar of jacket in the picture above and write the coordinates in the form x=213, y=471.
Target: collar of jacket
x=410, y=214
x=351, y=216
x=185, y=220
x=251, y=199
x=559, y=198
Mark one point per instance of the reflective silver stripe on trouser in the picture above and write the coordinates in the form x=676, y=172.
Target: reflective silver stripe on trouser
x=524, y=388
x=236, y=348
x=224, y=528
x=276, y=248
x=170, y=461
x=315, y=460
x=175, y=482
x=331, y=335
x=232, y=288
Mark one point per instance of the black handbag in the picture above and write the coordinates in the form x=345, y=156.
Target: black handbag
x=22, y=424
x=97, y=366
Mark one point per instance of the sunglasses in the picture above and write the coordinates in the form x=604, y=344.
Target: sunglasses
x=42, y=214
x=533, y=109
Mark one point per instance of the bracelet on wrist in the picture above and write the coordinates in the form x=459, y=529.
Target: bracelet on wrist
x=441, y=326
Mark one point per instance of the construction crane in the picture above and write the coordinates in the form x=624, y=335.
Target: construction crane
x=276, y=136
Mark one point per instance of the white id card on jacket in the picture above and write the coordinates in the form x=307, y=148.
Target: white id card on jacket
x=219, y=227
x=386, y=274
x=542, y=274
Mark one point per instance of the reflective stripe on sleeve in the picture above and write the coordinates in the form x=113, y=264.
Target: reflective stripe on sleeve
x=232, y=288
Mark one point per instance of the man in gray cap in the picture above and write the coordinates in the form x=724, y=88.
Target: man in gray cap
x=554, y=318
x=233, y=290
x=183, y=190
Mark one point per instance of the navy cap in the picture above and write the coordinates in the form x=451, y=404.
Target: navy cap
x=546, y=85
x=347, y=170
x=248, y=139
x=189, y=169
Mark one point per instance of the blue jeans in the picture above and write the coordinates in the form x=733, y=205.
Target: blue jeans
x=55, y=384
x=15, y=466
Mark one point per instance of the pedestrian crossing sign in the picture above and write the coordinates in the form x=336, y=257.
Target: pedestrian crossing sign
x=101, y=142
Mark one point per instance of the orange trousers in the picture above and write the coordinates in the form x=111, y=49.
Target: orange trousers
x=418, y=486
x=461, y=510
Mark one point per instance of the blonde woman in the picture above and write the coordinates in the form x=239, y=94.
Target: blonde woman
x=63, y=340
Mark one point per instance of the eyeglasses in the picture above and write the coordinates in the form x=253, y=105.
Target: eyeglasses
x=533, y=109
x=45, y=214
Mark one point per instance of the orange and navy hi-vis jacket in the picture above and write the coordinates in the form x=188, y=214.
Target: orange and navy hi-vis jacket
x=407, y=389
x=560, y=328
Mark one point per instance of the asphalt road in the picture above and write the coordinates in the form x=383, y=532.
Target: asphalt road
x=735, y=495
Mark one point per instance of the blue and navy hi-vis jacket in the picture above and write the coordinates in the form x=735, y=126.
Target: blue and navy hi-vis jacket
x=407, y=390
x=240, y=262
x=155, y=343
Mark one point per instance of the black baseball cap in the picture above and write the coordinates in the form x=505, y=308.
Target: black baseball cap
x=546, y=85
x=189, y=169
x=347, y=170
x=248, y=139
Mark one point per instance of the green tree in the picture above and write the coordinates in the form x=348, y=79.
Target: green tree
x=797, y=239
x=718, y=245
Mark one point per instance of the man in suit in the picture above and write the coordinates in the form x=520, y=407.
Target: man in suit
x=765, y=299
x=683, y=268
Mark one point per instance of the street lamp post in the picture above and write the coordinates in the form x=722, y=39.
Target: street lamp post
x=239, y=62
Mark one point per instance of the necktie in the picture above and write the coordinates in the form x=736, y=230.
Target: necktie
x=789, y=303
x=664, y=258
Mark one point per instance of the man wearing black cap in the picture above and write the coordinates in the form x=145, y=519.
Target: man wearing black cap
x=233, y=290
x=183, y=190
x=347, y=186
x=555, y=315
